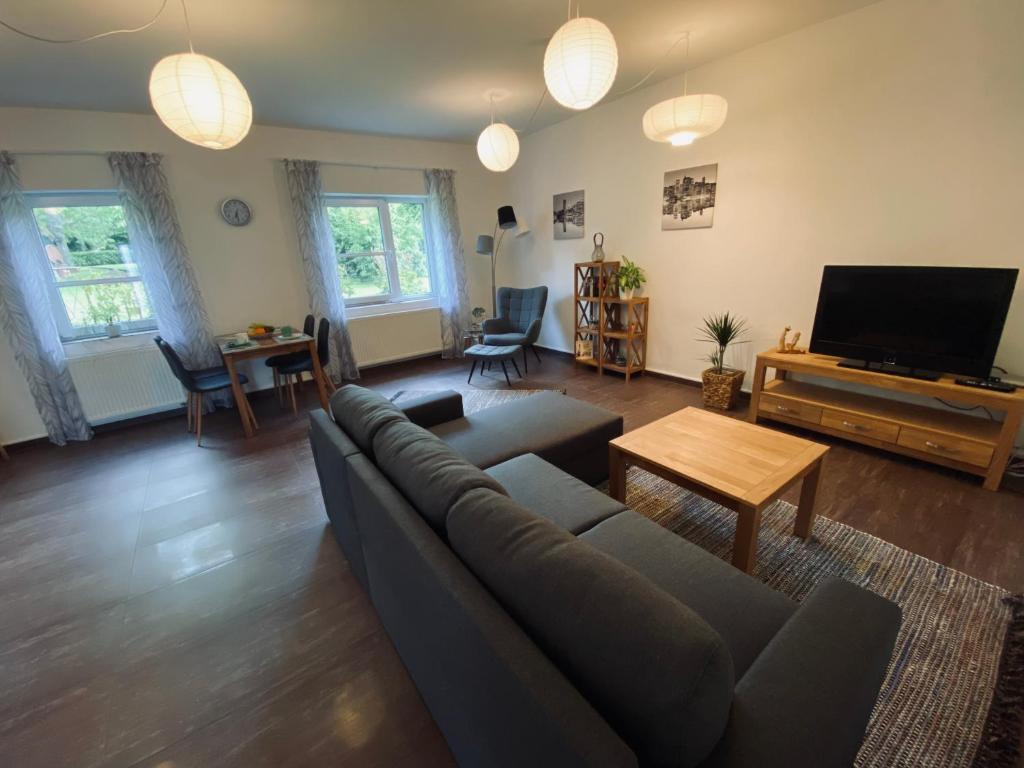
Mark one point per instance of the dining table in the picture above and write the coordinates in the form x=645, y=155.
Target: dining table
x=267, y=347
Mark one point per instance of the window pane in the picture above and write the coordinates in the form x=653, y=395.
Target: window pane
x=88, y=242
x=96, y=305
x=410, y=247
x=356, y=229
x=363, y=275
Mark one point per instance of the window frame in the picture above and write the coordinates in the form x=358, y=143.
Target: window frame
x=394, y=300
x=91, y=198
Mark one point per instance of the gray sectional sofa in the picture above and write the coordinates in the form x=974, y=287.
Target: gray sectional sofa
x=546, y=624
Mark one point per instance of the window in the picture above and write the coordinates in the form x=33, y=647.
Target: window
x=382, y=249
x=93, y=280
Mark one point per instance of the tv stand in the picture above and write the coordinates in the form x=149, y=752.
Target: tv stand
x=890, y=370
x=957, y=440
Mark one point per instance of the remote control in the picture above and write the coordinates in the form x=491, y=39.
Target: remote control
x=995, y=386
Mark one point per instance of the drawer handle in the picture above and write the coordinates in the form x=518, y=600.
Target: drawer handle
x=784, y=409
x=857, y=427
x=939, y=447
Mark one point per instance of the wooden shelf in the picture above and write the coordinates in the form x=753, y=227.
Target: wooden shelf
x=595, y=288
x=617, y=300
x=624, y=334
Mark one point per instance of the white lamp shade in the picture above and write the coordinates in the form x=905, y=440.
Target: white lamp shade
x=201, y=100
x=682, y=120
x=497, y=147
x=580, y=63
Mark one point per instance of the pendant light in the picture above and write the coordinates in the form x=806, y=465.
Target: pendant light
x=498, y=147
x=580, y=63
x=200, y=99
x=684, y=119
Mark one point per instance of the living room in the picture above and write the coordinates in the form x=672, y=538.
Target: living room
x=493, y=505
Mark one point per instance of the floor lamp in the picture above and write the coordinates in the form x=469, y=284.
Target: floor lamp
x=488, y=245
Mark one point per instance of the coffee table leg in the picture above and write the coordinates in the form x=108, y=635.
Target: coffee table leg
x=805, y=512
x=616, y=474
x=744, y=547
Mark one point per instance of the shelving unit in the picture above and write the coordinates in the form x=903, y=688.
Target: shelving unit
x=615, y=326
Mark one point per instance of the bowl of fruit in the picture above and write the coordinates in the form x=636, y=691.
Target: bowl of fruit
x=259, y=331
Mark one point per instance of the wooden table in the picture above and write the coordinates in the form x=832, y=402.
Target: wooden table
x=266, y=348
x=741, y=466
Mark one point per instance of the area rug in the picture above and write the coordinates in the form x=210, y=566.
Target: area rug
x=937, y=707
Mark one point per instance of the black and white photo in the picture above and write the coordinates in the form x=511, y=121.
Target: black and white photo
x=568, y=215
x=688, y=197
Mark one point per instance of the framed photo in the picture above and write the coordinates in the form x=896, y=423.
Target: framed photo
x=584, y=348
x=568, y=215
x=688, y=197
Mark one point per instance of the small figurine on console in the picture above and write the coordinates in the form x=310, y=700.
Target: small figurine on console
x=790, y=347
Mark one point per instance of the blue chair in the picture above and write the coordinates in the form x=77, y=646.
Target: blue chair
x=520, y=313
x=275, y=362
x=303, y=363
x=197, y=383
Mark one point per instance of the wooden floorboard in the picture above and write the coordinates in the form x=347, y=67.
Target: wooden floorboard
x=162, y=604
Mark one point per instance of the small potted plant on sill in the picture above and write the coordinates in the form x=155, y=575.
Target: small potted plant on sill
x=629, y=278
x=721, y=384
x=113, y=328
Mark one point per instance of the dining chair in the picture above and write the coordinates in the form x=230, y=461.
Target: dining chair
x=275, y=362
x=197, y=383
x=296, y=368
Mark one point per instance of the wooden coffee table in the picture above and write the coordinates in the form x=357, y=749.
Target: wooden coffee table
x=739, y=465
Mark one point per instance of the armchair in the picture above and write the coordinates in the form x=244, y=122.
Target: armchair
x=520, y=313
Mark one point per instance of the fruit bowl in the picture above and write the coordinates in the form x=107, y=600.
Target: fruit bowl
x=258, y=331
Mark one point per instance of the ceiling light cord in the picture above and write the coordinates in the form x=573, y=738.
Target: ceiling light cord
x=685, y=36
x=109, y=33
x=188, y=27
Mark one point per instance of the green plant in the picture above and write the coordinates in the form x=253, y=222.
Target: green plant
x=478, y=313
x=722, y=330
x=629, y=275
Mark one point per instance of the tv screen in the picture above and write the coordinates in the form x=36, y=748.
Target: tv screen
x=947, y=319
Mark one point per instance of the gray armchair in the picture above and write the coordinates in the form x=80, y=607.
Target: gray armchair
x=520, y=312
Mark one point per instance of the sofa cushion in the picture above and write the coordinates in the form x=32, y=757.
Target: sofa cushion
x=505, y=339
x=361, y=412
x=568, y=433
x=547, y=491
x=657, y=672
x=428, y=473
x=744, y=611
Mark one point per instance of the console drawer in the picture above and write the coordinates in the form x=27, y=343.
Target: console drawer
x=856, y=424
x=791, y=408
x=947, y=446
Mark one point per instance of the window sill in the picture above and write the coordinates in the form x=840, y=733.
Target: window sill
x=390, y=308
x=100, y=347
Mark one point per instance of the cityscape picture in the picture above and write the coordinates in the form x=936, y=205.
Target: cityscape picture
x=688, y=197
x=568, y=215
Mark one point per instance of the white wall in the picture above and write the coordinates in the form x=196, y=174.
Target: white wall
x=891, y=135
x=251, y=273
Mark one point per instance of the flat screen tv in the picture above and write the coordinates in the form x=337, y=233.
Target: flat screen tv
x=913, y=321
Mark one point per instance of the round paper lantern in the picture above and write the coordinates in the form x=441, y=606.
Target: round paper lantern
x=580, y=63
x=498, y=147
x=201, y=100
x=682, y=120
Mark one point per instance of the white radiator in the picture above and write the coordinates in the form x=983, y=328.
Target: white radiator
x=125, y=383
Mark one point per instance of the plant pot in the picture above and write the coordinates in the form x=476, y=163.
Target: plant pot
x=722, y=390
x=627, y=293
x=113, y=330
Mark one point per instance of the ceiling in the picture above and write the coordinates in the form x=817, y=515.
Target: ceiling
x=400, y=67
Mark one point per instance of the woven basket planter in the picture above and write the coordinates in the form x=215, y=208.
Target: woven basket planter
x=722, y=390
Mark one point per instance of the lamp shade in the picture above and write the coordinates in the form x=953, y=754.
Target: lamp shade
x=682, y=120
x=484, y=245
x=200, y=100
x=506, y=217
x=580, y=63
x=497, y=147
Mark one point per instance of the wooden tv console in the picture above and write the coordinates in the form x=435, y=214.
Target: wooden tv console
x=962, y=441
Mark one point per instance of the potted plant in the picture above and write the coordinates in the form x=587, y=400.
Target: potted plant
x=629, y=277
x=721, y=384
x=478, y=318
x=113, y=328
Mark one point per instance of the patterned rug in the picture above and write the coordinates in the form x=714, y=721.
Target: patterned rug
x=934, y=708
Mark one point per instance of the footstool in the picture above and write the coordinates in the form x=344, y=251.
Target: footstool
x=485, y=354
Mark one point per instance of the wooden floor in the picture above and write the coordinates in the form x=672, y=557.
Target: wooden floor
x=167, y=605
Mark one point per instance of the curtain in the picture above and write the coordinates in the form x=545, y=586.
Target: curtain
x=447, y=260
x=158, y=249
x=26, y=318
x=319, y=261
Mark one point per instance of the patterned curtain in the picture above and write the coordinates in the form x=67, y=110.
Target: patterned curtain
x=25, y=314
x=316, y=246
x=447, y=260
x=159, y=250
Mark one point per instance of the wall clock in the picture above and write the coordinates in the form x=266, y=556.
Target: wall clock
x=236, y=212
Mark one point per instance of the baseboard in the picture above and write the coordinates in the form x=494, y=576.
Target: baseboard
x=676, y=377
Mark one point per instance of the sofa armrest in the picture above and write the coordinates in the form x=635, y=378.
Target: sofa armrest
x=433, y=409
x=496, y=325
x=807, y=698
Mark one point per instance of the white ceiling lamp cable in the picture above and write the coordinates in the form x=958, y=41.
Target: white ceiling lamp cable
x=90, y=38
